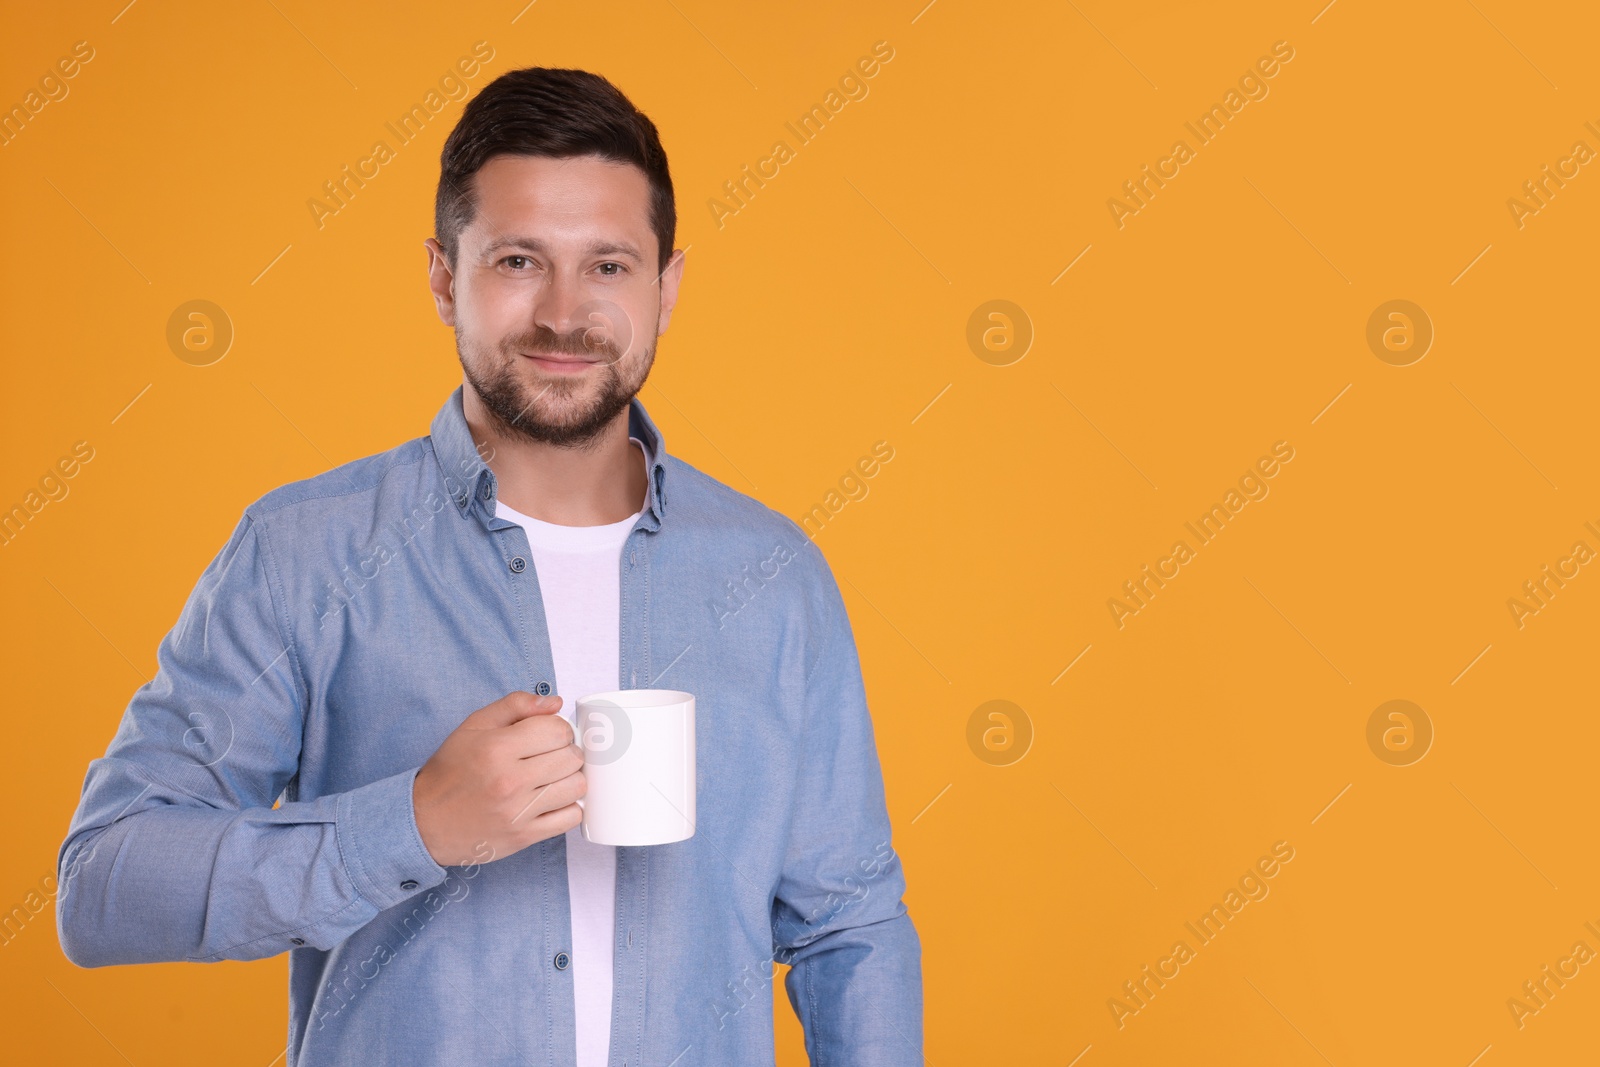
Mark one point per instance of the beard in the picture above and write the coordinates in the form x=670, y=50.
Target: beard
x=562, y=410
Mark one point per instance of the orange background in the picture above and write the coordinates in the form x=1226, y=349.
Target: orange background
x=832, y=312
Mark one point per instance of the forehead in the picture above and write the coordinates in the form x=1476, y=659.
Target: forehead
x=549, y=198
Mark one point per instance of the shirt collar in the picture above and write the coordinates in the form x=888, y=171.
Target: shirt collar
x=471, y=484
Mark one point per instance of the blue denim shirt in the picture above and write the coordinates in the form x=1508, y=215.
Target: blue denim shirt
x=351, y=622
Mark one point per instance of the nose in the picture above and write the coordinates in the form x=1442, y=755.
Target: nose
x=557, y=306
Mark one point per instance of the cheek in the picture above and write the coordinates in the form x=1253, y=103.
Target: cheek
x=644, y=343
x=622, y=324
x=636, y=367
x=471, y=337
x=490, y=294
x=490, y=318
x=636, y=332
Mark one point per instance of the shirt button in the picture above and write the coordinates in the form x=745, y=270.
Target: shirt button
x=561, y=961
x=297, y=941
x=518, y=564
x=408, y=884
x=487, y=491
x=543, y=689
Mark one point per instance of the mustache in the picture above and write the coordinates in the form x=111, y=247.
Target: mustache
x=590, y=342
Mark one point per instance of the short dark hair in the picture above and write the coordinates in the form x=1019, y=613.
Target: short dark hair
x=553, y=112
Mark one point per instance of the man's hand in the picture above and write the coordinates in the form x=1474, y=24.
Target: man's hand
x=508, y=776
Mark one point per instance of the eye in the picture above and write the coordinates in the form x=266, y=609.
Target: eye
x=619, y=267
x=513, y=261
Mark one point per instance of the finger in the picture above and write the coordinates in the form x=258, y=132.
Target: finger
x=538, y=734
x=548, y=767
x=558, y=821
x=561, y=793
x=511, y=708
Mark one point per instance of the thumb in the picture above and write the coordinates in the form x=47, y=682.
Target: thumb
x=511, y=708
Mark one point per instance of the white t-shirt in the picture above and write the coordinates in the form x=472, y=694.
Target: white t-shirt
x=579, y=573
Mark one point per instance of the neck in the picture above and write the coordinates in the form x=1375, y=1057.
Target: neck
x=594, y=484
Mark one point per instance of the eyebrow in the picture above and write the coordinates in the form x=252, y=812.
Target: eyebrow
x=593, y=248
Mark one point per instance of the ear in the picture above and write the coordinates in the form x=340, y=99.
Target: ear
x=442, y=281
x=670, y=279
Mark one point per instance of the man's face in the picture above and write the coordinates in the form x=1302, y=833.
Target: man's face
x=554, y=294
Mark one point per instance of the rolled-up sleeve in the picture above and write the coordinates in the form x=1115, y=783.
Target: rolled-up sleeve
x=839, y=920
x=175, y=852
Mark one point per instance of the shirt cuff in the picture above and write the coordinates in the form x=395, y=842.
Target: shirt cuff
x=383, y=850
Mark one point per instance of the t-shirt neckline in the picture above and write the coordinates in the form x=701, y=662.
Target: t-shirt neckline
x=556, y=536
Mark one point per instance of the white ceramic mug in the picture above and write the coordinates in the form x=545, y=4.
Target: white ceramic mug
x=638, y=757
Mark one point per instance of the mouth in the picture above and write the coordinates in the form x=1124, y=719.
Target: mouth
x=561, y=364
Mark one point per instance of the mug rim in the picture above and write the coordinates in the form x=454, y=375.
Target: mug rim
x=628, y=699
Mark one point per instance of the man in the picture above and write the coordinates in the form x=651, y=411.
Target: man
x=394, y=649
